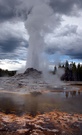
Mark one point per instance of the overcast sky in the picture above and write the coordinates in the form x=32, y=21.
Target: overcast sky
x=65, y=38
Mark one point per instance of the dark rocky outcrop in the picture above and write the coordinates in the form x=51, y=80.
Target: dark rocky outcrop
x=32, y=72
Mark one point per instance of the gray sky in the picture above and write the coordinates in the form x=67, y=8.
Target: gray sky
x=65, y=37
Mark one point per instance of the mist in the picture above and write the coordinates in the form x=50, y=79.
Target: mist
x=41, y=20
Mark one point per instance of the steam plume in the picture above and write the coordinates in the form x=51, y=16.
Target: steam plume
x=39, y=22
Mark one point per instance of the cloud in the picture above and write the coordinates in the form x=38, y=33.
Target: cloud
x=66, y=40
x=70, y=7
x=13, y=39
x=13, y=29
x=9, y=45
x=18, y=54
x=7, y=9
x=16, y=9
x=7, y=64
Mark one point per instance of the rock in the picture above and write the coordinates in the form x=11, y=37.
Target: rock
x=22, y=131
x=33, y=73
x=43, y=124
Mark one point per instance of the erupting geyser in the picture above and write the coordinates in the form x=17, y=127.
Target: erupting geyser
x=39, y=22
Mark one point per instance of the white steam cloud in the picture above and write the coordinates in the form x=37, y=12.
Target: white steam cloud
x=40, y=21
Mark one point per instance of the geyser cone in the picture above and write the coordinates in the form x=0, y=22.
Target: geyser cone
x=31, y=70
x=33, y=73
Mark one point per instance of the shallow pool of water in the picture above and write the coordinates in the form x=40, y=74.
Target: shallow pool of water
x=39, y=103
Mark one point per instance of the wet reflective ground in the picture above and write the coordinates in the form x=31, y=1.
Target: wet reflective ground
x=34, y=103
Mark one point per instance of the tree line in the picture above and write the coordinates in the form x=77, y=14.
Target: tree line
x=72, y=72
x=6, y=73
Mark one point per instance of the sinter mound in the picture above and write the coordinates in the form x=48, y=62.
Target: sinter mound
x=32, y=72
